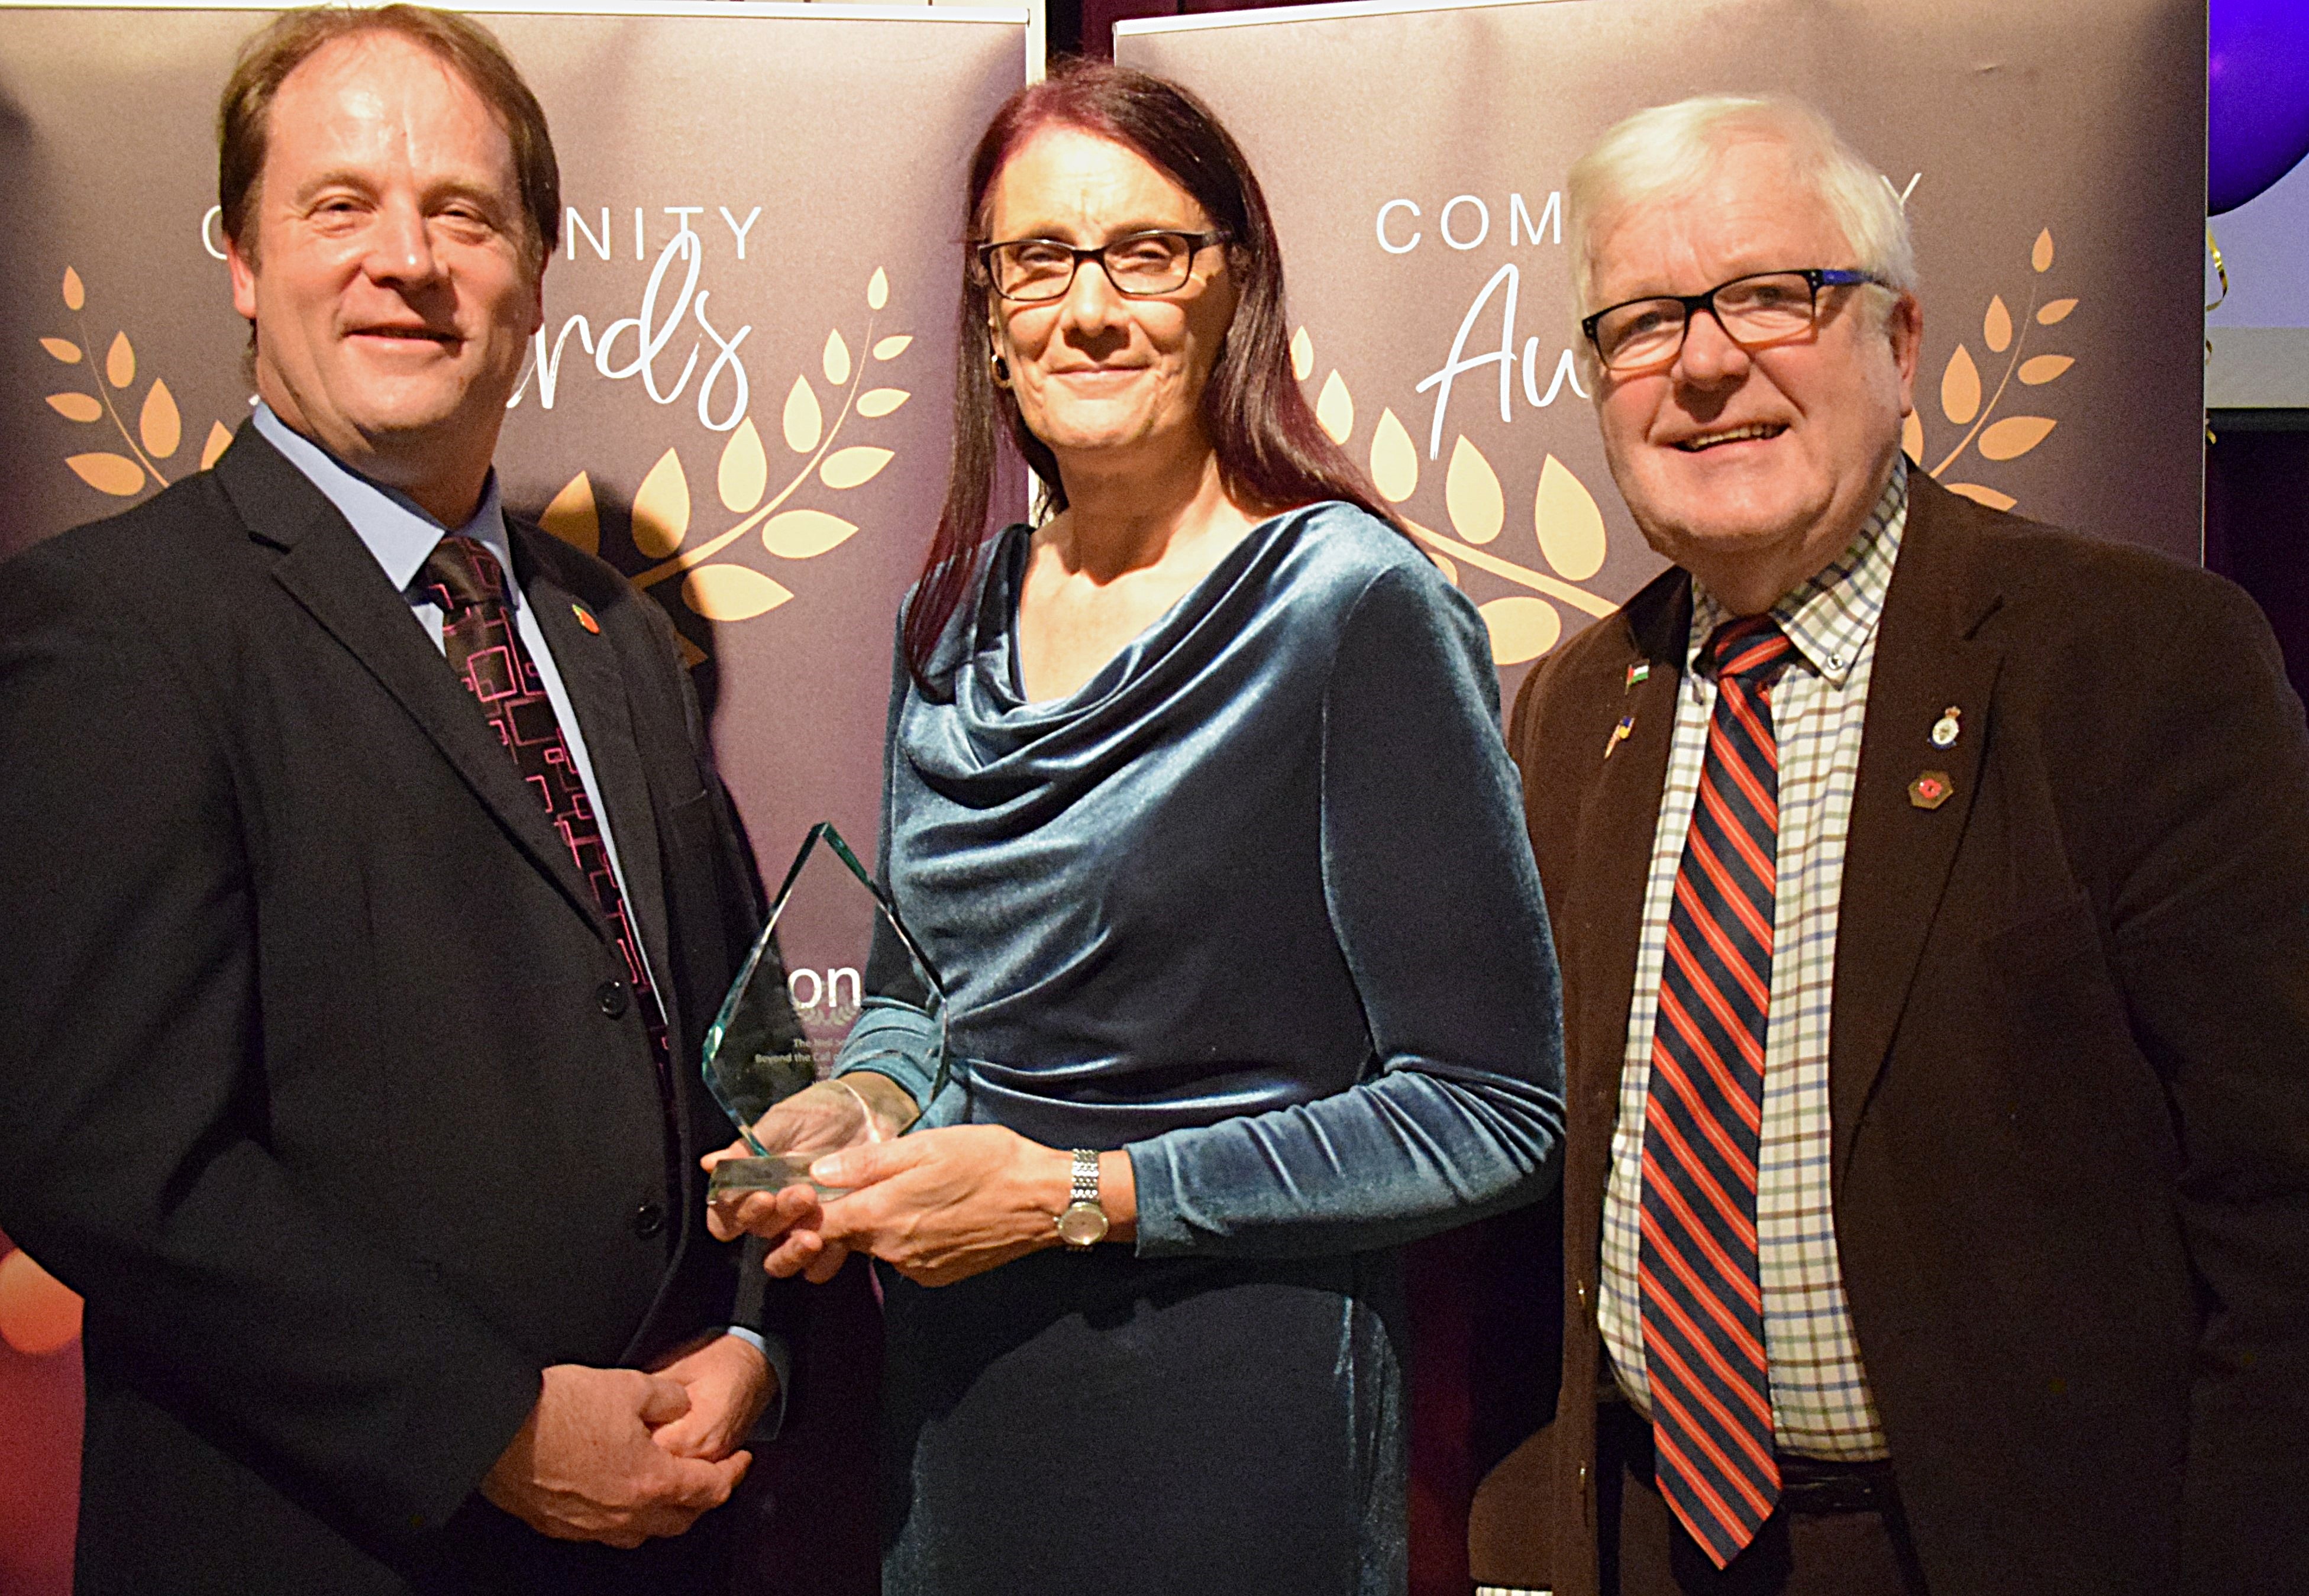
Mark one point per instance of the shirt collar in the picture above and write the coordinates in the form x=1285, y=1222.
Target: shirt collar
x=1831, y=616
x=387, y=521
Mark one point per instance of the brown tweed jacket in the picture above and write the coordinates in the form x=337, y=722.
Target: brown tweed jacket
x=2069, y=1068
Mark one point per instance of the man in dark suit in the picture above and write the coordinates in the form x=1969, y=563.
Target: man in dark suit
x=354, y=987
x=1932, y=891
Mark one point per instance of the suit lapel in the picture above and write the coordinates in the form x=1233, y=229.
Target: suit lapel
x=328, y=570
x=588, y=663
x=1619, y=816
x=1898, y=854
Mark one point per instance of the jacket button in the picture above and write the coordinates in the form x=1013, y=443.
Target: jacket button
x=649, y=1219
x=611, y=997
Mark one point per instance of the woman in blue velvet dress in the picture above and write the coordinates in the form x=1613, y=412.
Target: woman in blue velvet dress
x=1197, y=799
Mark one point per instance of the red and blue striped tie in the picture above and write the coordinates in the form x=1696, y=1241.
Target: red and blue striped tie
x=1703, y=1316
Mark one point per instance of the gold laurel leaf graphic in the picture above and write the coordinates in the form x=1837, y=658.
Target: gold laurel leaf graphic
x=159, y=423
x=1302, y=354
x=1444, y=563
x=1996, y=326
x=120, y=361
x=804, y=534
x=848, y=468
x=881, y=401
x=1983, y=496
x=837, y=359
x=1334, y=408
x=1471, y=494
x=76, y=293
x=115, y=474
x=2014, y=437
x=2055, y=311
x=1961, y=387
x=692, y=656
x=1393, y=460
x=218, y=440
x=69, y=353
x=2041, y=257
x=76, y=407
x=1912, y=437
x=732, y=593
x=39, y=1313
x=2044, y=368
x=803, y=421
x=1570, y=523
x=894, y=346
x=877, y=290
x=745, y=473
x=574, y=517
x=1522, y=628
x=661, y=516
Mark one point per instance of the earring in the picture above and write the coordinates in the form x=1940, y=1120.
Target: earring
x=1000, y=368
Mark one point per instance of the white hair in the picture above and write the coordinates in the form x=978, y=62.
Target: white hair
x=1668, y=150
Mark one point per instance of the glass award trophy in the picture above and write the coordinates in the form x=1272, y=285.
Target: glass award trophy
x=793, y=1007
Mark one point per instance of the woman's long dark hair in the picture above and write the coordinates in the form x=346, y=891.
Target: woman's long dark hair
x=1273, y=455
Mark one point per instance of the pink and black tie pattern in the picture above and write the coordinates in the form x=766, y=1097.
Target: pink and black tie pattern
x=1703, y=1318
x=464, y=579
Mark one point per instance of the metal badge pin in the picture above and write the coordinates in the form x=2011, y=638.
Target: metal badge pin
x=1619, y=734
x=1640, y=672
x=1948, y=728
x=1931, y=789
x=585, y=618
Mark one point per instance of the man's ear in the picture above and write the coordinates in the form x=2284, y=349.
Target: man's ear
x=1903, y=325
x=244, y=281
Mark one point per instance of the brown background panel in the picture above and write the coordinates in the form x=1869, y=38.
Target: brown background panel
x=2020, y=118
x=850, y=133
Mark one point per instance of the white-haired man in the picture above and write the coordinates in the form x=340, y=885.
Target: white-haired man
x=1932, y=889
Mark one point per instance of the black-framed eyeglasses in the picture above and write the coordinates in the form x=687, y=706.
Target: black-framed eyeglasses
x=1138, y=264
x=1755, y=311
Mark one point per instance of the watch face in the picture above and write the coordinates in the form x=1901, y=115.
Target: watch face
x=1083, y=1224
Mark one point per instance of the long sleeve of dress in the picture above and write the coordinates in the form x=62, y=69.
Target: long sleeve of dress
x=1436, y=905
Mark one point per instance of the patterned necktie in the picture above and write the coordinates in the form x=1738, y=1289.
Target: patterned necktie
x=1703, y=1319
x=464, y=578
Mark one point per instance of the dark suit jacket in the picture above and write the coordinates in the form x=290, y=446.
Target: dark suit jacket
x=2069, y=1063
x=319, y=1079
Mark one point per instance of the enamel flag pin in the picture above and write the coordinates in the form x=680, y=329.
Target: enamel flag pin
x=1931, y=789
x=1619, y=734
x=585, y=618
x=1948, y=728
x=1640, y=672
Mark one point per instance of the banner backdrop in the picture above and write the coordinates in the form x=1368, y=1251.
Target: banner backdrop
x=741, y=398
x=2052, y=164
x=2051, y=159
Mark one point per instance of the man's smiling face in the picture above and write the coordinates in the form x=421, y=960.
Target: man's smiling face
x=393, y=280
x=1750, y=468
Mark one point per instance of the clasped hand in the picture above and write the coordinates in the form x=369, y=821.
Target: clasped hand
x=618, y=1455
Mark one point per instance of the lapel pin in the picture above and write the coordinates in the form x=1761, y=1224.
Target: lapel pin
x=1619, y=734
x=1931, y=789
x=1640, y=672
x=585, y=618
x=1948, y=728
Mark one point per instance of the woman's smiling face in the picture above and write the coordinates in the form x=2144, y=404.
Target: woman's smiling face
x=1098, y=375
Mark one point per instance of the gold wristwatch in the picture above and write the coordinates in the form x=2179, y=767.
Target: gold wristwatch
x=1082, y=1222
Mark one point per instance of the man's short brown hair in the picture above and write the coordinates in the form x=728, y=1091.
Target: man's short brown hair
x=271, y=55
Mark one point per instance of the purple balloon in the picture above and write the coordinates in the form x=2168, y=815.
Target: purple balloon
x=2258, y=114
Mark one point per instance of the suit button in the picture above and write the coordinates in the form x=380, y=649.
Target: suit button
x=611, y=997
x=649, y=1219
